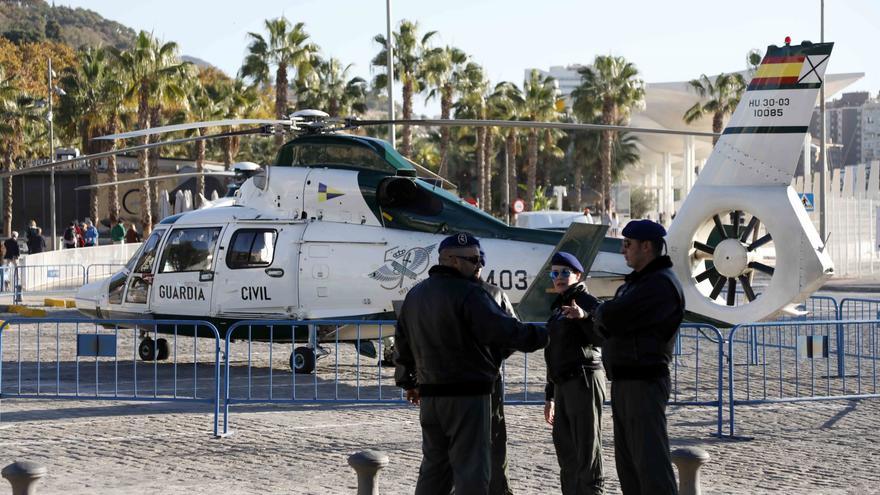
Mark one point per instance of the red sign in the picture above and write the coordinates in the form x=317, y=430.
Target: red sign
x=519, y=206
x=471, y=201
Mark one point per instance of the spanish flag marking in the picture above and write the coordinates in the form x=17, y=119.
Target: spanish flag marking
x=325, y=192
x=778, y=70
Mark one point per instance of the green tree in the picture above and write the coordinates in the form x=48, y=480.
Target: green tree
x=202, y=108
x=235, y=101
x=472, y=105
x=506, y=103
x=445, y=75
x=720, y=98
x=640, y=202
x=614, y=82
x=410, y=63
x=539, y=104
x=285, y=48
x=330, y=88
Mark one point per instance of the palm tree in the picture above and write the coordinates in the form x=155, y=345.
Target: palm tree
x=201, y=108
x=146, y=69
x=723, y=96
x=17, y=110
x=472, y=105
x=330, y=88
x=286, y=48
x=91, y=107
x=506, y=103
x=539, y=104
x=235, y=101
x=445, y=75
x=614, y=82
x=409, y=68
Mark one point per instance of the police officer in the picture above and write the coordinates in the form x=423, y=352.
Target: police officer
x=639, y=325
x=499, y=484
x=575, y=382
x=446, y=331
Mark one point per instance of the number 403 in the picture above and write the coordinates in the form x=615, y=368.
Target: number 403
x=507, y=279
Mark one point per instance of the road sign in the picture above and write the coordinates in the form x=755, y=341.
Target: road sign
x=807, y=200
x=519, y=206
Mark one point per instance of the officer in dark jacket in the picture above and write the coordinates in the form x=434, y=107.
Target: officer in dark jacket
x=639, y=325
x=575, y=381
x=499, y=484
x=448, y=331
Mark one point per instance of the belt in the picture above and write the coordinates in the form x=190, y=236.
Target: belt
x=578, y=372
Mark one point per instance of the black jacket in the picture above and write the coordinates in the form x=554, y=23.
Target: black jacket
x=498, y=295
x=640, y=323
x=36, y=244
x=12, y=249
x=574, y=343
x=446, y=332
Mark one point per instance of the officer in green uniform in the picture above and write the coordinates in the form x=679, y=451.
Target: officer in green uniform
x=639, y=326
x=575, y=382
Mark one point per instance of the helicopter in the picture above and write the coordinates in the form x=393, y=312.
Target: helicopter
x=341, y=226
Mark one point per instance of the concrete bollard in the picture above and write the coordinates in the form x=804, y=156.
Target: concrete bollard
x=367, y=465
x=23, y=476
x=689, y=460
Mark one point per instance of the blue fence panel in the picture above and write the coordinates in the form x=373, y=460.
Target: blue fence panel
x=800, y=361
x=100, y=271
x=111, y=360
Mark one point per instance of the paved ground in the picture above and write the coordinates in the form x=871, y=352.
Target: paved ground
x=99, y=447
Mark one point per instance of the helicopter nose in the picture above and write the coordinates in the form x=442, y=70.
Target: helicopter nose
x=87, y=298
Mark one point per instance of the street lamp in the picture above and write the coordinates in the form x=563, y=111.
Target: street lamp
x=60, y=92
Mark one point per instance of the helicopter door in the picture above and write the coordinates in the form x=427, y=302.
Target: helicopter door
x=185, y=276
x=137, y=291
x=257, y=275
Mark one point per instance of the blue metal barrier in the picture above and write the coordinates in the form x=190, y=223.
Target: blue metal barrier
x=800, y=361
x=100, y=271
x=98, y=360
x=268, y=347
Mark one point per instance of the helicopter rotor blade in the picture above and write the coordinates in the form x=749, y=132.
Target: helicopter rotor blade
x=46, y=166
x=155, y=177
x=193, y=125
x=525, y=125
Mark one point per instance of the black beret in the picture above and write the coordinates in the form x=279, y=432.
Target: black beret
x=567, y=259
x=644, y=230
x=462, y=239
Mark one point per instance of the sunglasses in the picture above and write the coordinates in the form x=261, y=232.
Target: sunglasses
x=474, y=260
x=556, y=274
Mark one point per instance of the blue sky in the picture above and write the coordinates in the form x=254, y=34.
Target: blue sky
x=669, y=40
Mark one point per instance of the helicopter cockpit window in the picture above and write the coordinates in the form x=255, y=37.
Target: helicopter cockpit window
x=323, y=154
x=189, y=250
x=147, y=252
x=251, y=248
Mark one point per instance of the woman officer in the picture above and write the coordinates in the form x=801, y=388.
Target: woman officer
x=575, y=381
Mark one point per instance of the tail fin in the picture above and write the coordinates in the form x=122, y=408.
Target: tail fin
x=742, y=243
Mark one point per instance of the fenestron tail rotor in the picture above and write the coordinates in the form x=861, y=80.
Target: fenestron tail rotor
x=728, y=251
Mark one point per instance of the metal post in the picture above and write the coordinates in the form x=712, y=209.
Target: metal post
x=23, y=475
x=51, y=160
x=389, y=49
x=367, y=465
x=689, y=460
x=823, y=159
x=506, y=184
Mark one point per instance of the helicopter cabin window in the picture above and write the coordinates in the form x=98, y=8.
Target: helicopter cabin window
x=251, y=248
x=189, y=250
x=117, y=287
x=147, y=257
x=324, y=154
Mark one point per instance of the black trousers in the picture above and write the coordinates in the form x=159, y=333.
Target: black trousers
x=456, y=452
x=641, y=442
x=577, y=433
x=499, y=484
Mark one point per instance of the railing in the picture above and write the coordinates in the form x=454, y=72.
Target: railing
x=801, y=361
x=111, y=360
x=100, y=271
x=51, y=279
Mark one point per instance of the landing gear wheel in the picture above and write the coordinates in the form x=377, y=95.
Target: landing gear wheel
x=302, y=360
x=147, y=349
x=162, y=348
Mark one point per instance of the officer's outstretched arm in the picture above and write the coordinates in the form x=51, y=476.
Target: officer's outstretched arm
x=491, y=326
x=632, y=311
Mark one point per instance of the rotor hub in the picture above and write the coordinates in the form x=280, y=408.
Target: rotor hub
x=731, y=258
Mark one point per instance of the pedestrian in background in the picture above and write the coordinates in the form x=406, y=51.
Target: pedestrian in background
x=575, y=381
x=90, y=236
x=117, y=233
x=446, y=331
x=69, y=237
x=36, y=243
x=132, y=235
x=10, y=257
x=639, y=326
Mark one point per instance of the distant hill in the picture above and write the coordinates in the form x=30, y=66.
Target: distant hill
x=35, y=20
